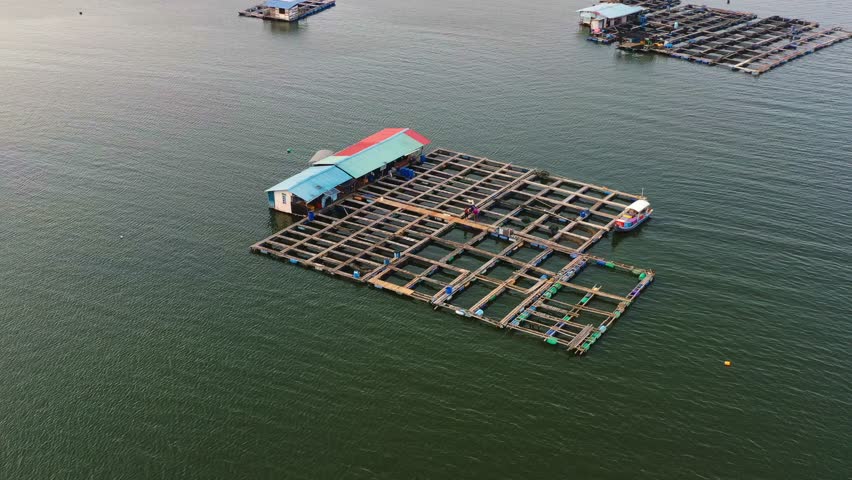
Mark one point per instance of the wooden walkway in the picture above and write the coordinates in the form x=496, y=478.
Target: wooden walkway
x=514, y=266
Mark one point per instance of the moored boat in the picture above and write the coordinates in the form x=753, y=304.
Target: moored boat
x=633, y=216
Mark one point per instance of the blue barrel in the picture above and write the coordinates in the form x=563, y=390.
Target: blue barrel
x=356, y=274
x=311, y=216
x=396, y=254
x=449, y=290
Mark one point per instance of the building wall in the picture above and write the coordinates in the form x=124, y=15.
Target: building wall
x=281, y=14
x=602, y=22
x=329, y=199
x=283, y=202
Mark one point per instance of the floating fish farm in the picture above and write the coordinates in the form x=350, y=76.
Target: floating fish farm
x=736, y=40
x=287, y=10
x=520, y=264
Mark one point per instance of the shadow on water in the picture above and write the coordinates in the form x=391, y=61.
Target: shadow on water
x=635, y=57
x=583, y=33
x=278, y=27
x=279, y=220
x=618, y=237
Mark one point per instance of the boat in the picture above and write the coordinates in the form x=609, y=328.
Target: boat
x=636, y=213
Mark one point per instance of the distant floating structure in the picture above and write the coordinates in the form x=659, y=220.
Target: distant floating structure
x=609, y=15
x=712, y=36
x=287, y=11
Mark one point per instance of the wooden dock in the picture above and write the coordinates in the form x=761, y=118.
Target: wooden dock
x=517, y=265
x=713, y=36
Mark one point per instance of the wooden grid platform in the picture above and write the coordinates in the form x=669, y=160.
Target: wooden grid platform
x=713, y=36
x=519, y=265
x=687, y=22
x=755, y=46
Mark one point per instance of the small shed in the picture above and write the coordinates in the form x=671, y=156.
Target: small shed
x=316, y=183
x=607, y=15
x=332, y=175
x=282, y=9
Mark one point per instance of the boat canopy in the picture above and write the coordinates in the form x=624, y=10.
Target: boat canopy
x=639, y=205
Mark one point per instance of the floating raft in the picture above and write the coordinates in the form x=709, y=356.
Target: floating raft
x=518, y=265
x=712, y=36
x=287, y=10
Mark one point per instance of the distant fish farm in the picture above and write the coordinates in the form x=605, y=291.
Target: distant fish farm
x=490, y=241
x=712, y=36
x=287, y=10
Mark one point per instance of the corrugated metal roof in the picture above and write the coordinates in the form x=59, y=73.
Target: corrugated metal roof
x=313, y=182
x=611, y=10
x=282, y=3
x=376, y=151
x=368, y=142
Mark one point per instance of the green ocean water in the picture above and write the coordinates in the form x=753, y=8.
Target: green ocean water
x=139, y=338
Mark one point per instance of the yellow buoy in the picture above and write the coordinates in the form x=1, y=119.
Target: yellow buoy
x=727, y=363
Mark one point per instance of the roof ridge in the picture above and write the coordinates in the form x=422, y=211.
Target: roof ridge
x=404, y=129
